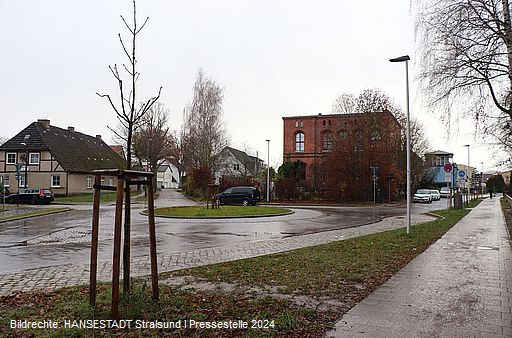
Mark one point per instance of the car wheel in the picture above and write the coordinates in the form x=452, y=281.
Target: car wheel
x=245, y=203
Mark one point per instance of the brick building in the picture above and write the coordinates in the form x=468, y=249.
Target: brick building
x=316, y=141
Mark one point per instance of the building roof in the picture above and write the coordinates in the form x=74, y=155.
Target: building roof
x=250, y=162
x=439, y=152
x=320, y=115
x=75, y=151
x=163, y=168
x=118, y=149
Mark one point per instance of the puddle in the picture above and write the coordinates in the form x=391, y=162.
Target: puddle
x=487, y=248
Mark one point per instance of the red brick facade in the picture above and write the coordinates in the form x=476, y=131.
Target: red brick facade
x=309, y=139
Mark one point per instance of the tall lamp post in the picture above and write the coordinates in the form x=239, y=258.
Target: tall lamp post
x=406, y=59
x=268, y=170
x=482, y=179
x=26, y=163
x=467, y=176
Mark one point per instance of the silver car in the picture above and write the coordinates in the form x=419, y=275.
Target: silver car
x=436, y=195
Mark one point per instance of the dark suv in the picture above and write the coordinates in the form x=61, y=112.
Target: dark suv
x=240, y=195
x=31, y=196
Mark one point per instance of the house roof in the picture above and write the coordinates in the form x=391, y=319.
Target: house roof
x=247, y=160
x=75, y=151
x=162, y=168
x=118, y=149
x=439, y=152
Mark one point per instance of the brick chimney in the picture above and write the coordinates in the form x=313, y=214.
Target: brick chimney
x=45, y=123
x=71, y=128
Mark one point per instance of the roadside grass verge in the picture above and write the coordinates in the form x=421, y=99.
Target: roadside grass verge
x=343, y=271
x=224, y=211
x=506, y=208
x=87, y=198
x=38, y=212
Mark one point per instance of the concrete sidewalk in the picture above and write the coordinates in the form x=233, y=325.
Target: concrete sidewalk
x=459, y=287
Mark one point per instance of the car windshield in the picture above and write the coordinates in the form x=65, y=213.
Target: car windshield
x=423, y=191
x=434, y=191
x=445, y=189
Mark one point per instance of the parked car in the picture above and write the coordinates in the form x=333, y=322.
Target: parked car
x=422, y=195
x=445, y=192
x=436, y=195
x=31, y=196
x=240, y=195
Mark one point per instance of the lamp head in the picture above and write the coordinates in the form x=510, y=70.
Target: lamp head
x=400, y=59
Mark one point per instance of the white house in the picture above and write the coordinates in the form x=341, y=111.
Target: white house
x=167, y=176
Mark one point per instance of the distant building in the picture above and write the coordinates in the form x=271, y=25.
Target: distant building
x=237, y=163
x=167, y=176
x=308, y=140
x=62, y=159
x=436, y=161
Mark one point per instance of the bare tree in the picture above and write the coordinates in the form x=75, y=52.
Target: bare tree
x=152, y=140
x=204, y=132
x=466, y=53
x=129, y=116
x=344, y=104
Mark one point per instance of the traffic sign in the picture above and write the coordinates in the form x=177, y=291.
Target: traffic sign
x=447, y=177
x=448, y=167
x=462, y=173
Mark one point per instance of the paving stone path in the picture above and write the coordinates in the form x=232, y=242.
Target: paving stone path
x=54, y=277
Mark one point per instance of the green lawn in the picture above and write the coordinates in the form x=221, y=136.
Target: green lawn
x=224, y=211
x=88, y=198
x=344, y=271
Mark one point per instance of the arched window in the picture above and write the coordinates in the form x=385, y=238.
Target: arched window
x=327, y=141
x=343, y=135
x=375, y=135
x=299, y=142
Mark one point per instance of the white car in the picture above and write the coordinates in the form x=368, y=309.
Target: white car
x=436, y=195
x=445, y=192
x=422, y=195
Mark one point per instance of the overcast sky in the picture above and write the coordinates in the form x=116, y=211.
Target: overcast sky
x=273, y=58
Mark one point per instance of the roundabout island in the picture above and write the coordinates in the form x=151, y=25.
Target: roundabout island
x=225, y=211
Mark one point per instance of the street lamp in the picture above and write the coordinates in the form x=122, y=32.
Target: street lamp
x=268, y=170
x=467, y=176
x=406, y=59
x=26, y=163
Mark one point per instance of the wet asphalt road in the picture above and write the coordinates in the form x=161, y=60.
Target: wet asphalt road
x=65, y=238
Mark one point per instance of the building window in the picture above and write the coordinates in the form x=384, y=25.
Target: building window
x=33, y=158
x=111, y=181
x=55, y=181
x=88, y=182
x=21, y=181
x=375, y=135
x=299, y=142
x=296, y=124
x=5, y=180
x=11, y=158
x=327, y=141
x=301, y=124
x=343, y=135
x=324, y=123
x=358, y=141
x=236, y=166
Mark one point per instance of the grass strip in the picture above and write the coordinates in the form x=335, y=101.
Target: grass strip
x=88, y=198
x=346, y=271
x=224, y=211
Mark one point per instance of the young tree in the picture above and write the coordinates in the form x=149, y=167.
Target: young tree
x=466, y=54
x=204, y=131
x=129, y=116
x=152, y=141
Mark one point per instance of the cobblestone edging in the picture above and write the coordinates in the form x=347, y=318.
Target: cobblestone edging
x=54, y=277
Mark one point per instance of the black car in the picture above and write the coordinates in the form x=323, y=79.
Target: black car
x=31, y=196
x=240, y=195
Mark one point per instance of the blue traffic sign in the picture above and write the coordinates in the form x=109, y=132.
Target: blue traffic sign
x=462, y=173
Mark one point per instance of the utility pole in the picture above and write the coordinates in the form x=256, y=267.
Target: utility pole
x=374, y=179
x=268, y=170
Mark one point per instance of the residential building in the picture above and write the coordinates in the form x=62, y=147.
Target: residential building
x=167, y=176
x=237, y=163
x=354, y=142
x=62, y=159
x=435, y=162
